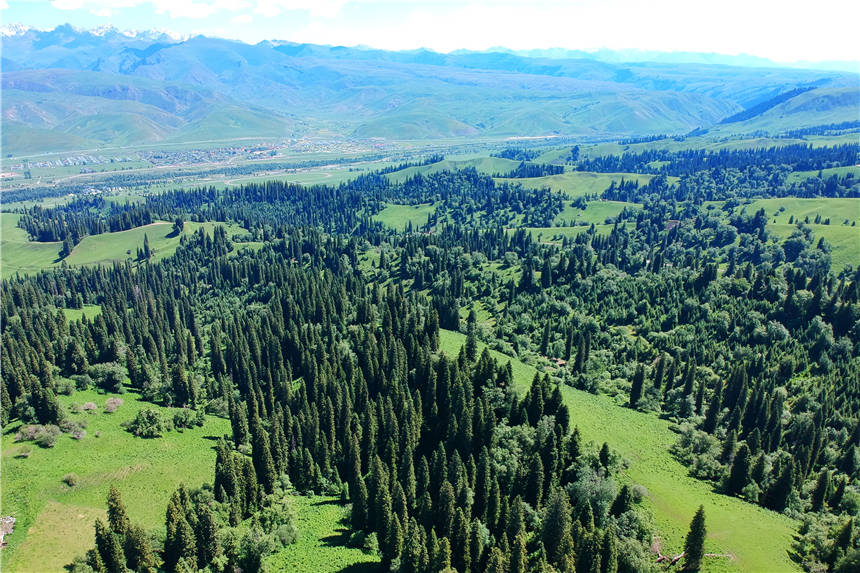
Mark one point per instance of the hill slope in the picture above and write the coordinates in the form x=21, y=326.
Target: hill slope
x=108, y=88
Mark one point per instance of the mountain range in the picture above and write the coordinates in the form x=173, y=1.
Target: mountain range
x=69, y=88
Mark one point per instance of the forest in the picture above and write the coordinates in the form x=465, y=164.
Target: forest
x=322, y=351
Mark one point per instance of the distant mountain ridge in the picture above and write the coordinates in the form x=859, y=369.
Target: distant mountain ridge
x=66, y=88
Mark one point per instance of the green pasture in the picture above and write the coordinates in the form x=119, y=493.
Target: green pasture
x=20, y=255
x=578, y=183
x=398, y=216
x=55, y=521
x=596, y=212
x=322, y=543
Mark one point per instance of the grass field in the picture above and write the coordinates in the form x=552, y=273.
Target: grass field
x=322, y=542
x=89, y=310
x=840, y=171
x=485, y=165
x=54, y=521
x=555, y=234
x=844, y=239
x=595, y=212
x=578, y=183
x=758, y=539
x=397, y=216
x=20, y=255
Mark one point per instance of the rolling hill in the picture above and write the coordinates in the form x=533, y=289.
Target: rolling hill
x=104, y=87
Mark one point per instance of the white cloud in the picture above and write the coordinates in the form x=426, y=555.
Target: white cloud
x=3, y=4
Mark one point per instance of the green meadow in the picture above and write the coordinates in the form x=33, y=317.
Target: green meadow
x=20, y=255
x=55, y=521
x=578, y=183
x=756, y=539
x=844, y=238
x=322, y=543
x=398, y=216
x=596, y=212
x=482, y=164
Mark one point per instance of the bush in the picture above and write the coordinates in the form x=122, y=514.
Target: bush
x=47, y=436
x=109, y=376
x=149, y=423
x=24, y=452
x=112, y=405
x=44, y=436
x=218, y=407
x=89, y=407
x=74, y=427
x=182, y=418
x=82, y=381
x=65, y=387
x=71, y=479
x=639, y=493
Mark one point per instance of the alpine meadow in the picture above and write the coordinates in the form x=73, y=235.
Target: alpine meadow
x=271, y=305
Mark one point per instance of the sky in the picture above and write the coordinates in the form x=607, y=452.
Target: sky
x=782, y=30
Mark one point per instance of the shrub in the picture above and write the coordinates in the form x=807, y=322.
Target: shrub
x=74, y=427
x=109, y=376
x=65, y=386
x=26, y=433
x=371, y=543
x=24, y=452
x=356, y=539
x=112, y=404
x=218, y=407
x=639, y=493
x=71, y=479
x=47, y=436
x=149, y=423
x=182, y=418
x=44, y=436
x=82, y=381
x=89, y=407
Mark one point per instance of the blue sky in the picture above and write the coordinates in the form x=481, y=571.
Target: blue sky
x=783, y=30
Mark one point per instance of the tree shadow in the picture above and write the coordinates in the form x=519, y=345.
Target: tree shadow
x=361, y=568
x=341, y=539
x=326, y=502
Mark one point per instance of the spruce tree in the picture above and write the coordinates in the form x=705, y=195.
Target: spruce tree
x=821, y=491
x=555, y=531
x=739, y=475
x=609, y=552
x=637, y=386
x=109, y=548
x=117, y=516
x=139, y=554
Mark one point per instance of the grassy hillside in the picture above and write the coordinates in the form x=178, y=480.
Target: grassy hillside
x=596, y=212
x=844, y=238
x=757, y=539
x=55, y=521
x=484, y=164
x=19, y=255
x=579, y=183
x=397, y=216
